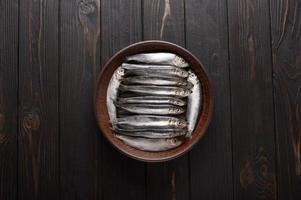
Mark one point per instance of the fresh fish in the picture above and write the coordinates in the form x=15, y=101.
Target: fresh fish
x=153, y=100
x=152, y=109
x=194, y=102
x=149, y=144
x=158, y=72
x=145, y=80
x=159, y=58
x=174, y=130
x=149, y=122
x=112, y=92
x=130, y=66
x=165, y=133
x=156, y=90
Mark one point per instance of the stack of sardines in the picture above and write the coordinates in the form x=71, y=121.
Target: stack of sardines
x=153, y=100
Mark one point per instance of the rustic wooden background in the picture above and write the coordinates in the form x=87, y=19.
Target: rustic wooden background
x=51, y=52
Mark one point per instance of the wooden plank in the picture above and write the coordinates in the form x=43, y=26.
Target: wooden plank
x=80, y=138
x=38, y=160
x=121, y=26
x=8, y=98
x=286, y=37
x=164, y=20
x=211, y=159
x=252, y=100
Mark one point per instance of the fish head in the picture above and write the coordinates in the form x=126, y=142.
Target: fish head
x=176, y=110
x=174, y=142
x=181, y=73
x=192, y=78
x=183, y=92
x=119, y=73
x=180, y=62
x=178, y=102
x=178, y=123
x=181, y=123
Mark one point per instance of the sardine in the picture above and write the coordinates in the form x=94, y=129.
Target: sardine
x=153, y=100
x=157, y=109
x=194, y=102
x=149, y=144
x=165, y=133
x=158, y=72
x=174, y=130
x=156, y=90
x=159, y=58
x=130, y=66
x=149, y=122
x=146, y=80
x=112, y=92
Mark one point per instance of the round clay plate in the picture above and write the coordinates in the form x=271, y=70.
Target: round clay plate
x=102, y=115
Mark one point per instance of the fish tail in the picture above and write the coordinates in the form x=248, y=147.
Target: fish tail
x=122, y=87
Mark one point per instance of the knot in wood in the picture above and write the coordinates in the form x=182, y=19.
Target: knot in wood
x=86, y=6
x=247, y=175
x=31, y=121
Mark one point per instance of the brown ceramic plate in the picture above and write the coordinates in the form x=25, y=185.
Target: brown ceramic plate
x=102, y=115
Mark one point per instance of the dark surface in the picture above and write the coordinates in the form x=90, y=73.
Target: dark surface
x=51, y=53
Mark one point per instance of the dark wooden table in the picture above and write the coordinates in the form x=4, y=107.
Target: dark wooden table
x=52, y=51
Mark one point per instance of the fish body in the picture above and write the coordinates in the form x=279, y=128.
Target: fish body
x=172, y=130
x=152, y=109
x=149, y=122
x=167, y=81
x=158, y=72
x=112, y=92
x=130, y=66
x=150, y=144
x=164, y=133
x=153, y=100
x=194, y=103
x=156, y=90
x=159, y=58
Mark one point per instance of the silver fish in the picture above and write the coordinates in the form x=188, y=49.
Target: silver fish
x=145, y=80
x=159, y=58
x=153, y=100
x=149, y=122
x=154, y=133
x=194, y=102
x=112, y=92
x=152, y=109
x=158, y=72
x=156, y=90
x=149, y=144
x=174, y=130
x=130, y=66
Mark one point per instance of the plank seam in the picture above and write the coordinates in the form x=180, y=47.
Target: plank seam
x=273, y=91
x=230, y=98
x=59, y=99
x=18, y=102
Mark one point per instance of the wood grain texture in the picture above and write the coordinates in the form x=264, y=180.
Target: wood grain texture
x=38, y=163
x=8, y=98
x=121, y=26
x=286, y=39
x=164, y=20
x=80, y=60
x=252, y=100
x=211, y=159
